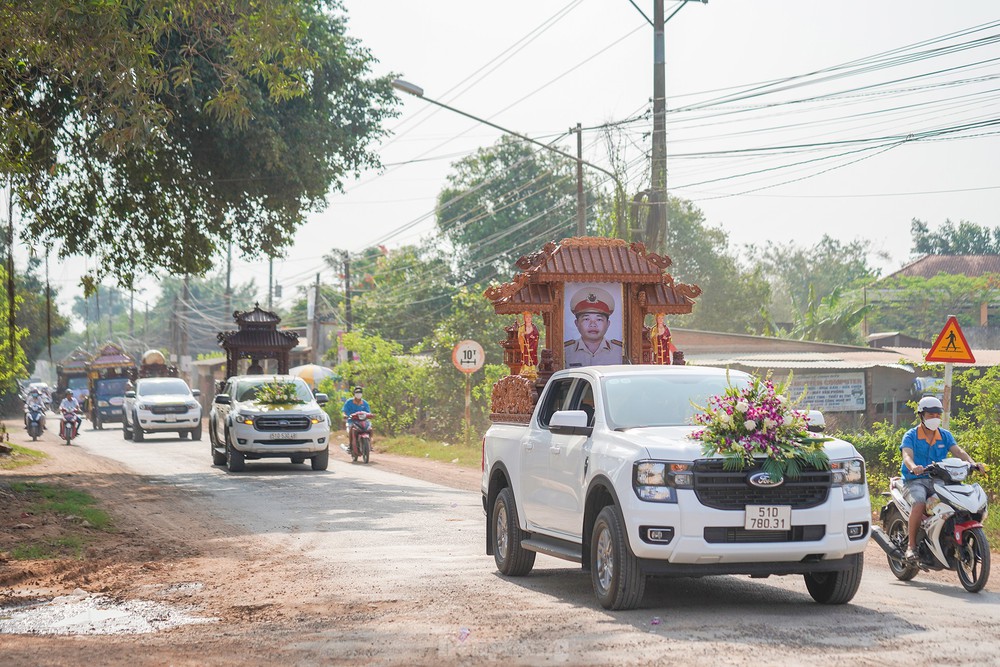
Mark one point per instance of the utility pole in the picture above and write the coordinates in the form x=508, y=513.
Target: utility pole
x=131, y=313
x=581, y=201
x=656, y=226
x=317, y=352
x=229, y=273
x=184, y=352
x=347, y=297
x=48, y=306
x=111, y=311
x=270, y=280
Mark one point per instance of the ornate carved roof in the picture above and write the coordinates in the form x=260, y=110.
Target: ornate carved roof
x=258, y=332
x=76, y=361
x=111, y=356
x=256, y=318
x=591, y=259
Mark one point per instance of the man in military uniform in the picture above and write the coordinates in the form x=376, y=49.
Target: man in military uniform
x=592, y=307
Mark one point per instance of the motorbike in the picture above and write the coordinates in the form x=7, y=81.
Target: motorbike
x=69, y=426
x=951, y=535
x=361, y=430
x=34, y=421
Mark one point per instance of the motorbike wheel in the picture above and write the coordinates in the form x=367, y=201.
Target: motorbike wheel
x=354, y=452
x=897, y=529
x=366, y=448
x=973, y=560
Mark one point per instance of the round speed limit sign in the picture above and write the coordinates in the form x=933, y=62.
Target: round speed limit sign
x=468, y=356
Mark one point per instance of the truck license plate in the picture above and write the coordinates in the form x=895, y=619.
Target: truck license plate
x=281, y=435
x=768, y=517
x=171, y=418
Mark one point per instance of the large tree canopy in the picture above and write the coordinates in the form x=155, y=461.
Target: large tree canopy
x=148, y=133
x=967, y=238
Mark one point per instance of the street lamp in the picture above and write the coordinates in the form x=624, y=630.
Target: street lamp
x=417, y=91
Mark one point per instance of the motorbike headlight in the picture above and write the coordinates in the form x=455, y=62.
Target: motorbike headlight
x=849, y=475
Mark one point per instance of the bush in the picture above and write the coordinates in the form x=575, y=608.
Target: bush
x=880, y=448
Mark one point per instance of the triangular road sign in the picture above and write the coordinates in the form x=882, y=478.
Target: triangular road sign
x=951, y=346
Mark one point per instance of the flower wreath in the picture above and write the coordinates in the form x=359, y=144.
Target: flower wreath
x=759, y=421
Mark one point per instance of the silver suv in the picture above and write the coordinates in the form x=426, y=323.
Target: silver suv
x=244, y=425
x=159, y=405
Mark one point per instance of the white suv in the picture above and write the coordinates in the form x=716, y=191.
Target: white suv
x=157, y=405
x=242, y=427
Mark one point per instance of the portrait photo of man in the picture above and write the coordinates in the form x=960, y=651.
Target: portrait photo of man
x=595, y=325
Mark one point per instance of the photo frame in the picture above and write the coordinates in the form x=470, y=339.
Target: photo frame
x=587, y=340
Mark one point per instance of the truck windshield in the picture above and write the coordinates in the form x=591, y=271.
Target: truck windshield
x=661, y=400
x=163, y=387
x=110, y=387
x=77, y=383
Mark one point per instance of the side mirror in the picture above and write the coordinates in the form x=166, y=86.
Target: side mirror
x=817, y=423
x=322, y=399
x=196, y=392
x=570, y=422
x=130, y=393
x=223, y=399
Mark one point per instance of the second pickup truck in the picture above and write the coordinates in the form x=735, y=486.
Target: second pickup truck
x=606, y=474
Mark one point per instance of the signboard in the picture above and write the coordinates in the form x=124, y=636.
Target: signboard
x=951, y=346
x=468, y=356
x=830, y=392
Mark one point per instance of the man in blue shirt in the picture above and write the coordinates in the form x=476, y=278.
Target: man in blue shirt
x=923, y=445
x=352, y=405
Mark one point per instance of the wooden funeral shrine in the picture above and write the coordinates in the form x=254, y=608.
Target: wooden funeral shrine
x=257, y=339
x=594, y=296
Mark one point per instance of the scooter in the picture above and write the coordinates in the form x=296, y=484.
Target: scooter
x=951, y=535
x=69, y=426
x=361, y=432
x=35, y=420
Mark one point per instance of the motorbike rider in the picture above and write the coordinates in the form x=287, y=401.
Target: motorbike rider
x=352, y=405
x=923, y=445
x=34, y=402
x=68, y=404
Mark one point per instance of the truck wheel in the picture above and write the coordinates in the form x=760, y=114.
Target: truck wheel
x=836, y=587
x=137, y=434
x=235, y=460
x=321, y=460
x=298, y=459
x=126, y=431
x=511, y=558
x=897, y=528
x=196, y=432
x=614, y=570
x=97, y=421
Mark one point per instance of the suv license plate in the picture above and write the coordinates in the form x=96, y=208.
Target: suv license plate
x=282, y=435
x=768, y=517
x=171, y=418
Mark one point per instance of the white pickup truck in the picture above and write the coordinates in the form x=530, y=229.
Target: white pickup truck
x=606, y=475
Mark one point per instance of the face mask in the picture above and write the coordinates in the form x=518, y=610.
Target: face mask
x=932, y=423
x=357, y=396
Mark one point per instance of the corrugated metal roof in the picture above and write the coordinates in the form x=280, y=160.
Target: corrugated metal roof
x=958, y=265
x=755, y=361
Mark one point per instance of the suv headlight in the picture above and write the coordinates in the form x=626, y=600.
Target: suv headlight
x=242, y=419
x=657, y=481
x=191, y=405
x=318, y=418
x=849, y=475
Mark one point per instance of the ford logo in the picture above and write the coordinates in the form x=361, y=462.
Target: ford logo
x=762, y=480
x=283, y=422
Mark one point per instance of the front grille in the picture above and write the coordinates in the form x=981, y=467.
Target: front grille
x=168, y=409
x=282, y=423
x=729, y=490
x=734, y=535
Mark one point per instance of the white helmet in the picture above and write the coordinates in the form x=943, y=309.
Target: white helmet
x=929, y=403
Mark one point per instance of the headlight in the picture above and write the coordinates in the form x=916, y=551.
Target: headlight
x=103, y=404
x=143, y=406
x=318, y=419
x=191, y=405
x=243, y=419
x=656, y=481
x=849, y=474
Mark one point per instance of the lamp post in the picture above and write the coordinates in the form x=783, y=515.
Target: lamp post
x=417, y=91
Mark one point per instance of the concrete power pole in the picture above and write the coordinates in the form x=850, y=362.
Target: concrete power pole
x=581, y=202
x=347, y=298
x=314, y=335
x=656, y=228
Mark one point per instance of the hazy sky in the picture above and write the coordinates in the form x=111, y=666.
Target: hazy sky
x=786, y=120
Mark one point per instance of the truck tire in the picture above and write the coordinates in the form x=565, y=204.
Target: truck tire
x=614, y=570
x=897, y=528
x=196, y=432
x=836, y=587
x=321, y=461
x=98, y=424
x=126, y=431
x=137, y=434
x=511, y=558
x=235, y=460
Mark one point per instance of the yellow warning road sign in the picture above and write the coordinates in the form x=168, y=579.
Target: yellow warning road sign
x=951, y=346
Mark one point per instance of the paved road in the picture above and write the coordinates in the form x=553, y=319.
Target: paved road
x=416, y=549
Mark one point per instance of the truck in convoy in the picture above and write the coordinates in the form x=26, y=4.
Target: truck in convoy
x=606, y=474
x=71, y=374
x=159, y=401
x=107, y=380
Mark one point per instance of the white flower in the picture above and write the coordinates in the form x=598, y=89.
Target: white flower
x=769, y=424
x=782, y=421
x=782, y=399
x=749, y=424
x=742, y=406
x=725, y=418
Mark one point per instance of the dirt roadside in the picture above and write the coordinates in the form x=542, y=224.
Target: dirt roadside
x=161, y=548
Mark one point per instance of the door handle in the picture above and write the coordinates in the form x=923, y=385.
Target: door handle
x=555, y=450
x=529, y=445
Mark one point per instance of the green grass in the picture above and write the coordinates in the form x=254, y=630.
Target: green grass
x=410, y=445
x=22, y=456
x=58, y=548
x=65, y=501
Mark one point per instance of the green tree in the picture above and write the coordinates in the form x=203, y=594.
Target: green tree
x=979, y=420
x=918, y=306
x=505, y=201
x=967, y=238
x=148, y=135
x=38, y=316
x=831, y=319
x=733, y=296
x=12, y=357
